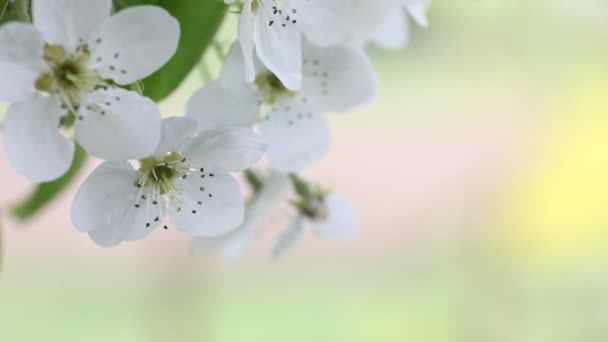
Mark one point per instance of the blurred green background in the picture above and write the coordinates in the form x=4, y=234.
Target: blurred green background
x=480, y=179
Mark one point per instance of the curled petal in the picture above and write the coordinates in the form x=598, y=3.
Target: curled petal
x=289, y=238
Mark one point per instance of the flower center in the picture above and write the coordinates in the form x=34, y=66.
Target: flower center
x=315, y=209
x=159, y=175
x=272, y=89
x=69, y=77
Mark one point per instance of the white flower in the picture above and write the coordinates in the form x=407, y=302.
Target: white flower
x=394, y=33
x=186, y=179
x=332, y=218
x=335, y=79
x=60, y=64
x=234, y=244
x=271, y=31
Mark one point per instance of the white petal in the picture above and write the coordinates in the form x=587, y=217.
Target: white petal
x=278, y=47
x=176, y=133
x=338, y=78
x=333, y=22
x=418, y=10
x=342, y=222
x=211, y=206
x=288, y=239
x=33, y=143
x=233, y=69
x=134, y=43
x=246, y=40
x=105, y=206
x=21, y=61
x=225, y=151
x=69, y=22
x=296, y=136
x=233, y=245
x=116, y=124
x=217, y=107
x=394, y=33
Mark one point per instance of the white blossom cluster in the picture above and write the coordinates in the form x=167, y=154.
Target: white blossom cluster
x=68, y=76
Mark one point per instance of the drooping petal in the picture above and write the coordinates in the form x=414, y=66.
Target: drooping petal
x=246, y=40
x=34, y=145
x=211, y=206
x=118, y=124
x=69, y=22
x=176, y=132
x=108, y=208
x=225, y=151
x=296, y=135
x=217, y=107
x=394, y=33
x=21, y=61
x=338, y=78
x=134, y=43
x=289, y=238
x=278, y=45
x=342, y=222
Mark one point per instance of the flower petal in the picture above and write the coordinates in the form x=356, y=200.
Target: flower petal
x=105, y=206
x=418, y=10
x=69, y=22
x=117, y=124
x=21, y=61
x=211, y=206
x=342, y=221
x=246, y=40
x=233, y=245
x=338, y=78
x=278, y=46
x=34, y=145
x=217, y=107
x=289, y=238
x=134, y=43
x=297, y=136
x=394, y=33
x=335, y=22
x=176, y=132
x=225, y=151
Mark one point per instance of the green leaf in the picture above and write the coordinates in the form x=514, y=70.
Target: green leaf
x=199, y=22
x=47, y=192
x=3, y=6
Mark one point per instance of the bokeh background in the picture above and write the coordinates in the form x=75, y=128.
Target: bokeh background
x=481, y=178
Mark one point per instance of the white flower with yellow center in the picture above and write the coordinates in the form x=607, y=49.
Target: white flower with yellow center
x=293, y=123
x=187, y=179
x=64, y=67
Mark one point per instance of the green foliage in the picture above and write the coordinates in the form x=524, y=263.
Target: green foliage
x=17, y=10
x=199, y=21
x=47, y=192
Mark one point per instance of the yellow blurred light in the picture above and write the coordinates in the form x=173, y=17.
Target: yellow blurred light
x=560, y=209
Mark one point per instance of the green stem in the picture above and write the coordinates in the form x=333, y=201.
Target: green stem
x=22, y=10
